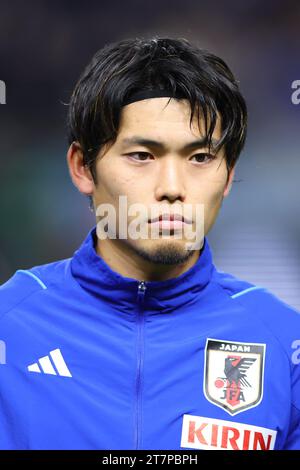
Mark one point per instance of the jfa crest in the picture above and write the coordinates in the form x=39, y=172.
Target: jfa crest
x=233, y=374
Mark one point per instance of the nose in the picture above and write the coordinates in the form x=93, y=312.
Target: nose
x=170, y=180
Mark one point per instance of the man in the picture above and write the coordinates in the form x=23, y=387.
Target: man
x=137, y=341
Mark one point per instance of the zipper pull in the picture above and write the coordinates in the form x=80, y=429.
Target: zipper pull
x=141, y=291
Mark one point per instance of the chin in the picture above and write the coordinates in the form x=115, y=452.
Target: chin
x=165, y=251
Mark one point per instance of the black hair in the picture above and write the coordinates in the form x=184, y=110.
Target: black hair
x=122, y=68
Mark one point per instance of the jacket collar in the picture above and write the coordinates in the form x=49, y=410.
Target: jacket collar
x=95, y=276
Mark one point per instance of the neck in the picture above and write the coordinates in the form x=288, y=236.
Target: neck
x=123, y=259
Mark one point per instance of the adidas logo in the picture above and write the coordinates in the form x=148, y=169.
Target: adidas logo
x=53, y=364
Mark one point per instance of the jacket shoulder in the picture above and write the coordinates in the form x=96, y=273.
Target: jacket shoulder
x=267, y=308
x=26, y=282
x=231, y=284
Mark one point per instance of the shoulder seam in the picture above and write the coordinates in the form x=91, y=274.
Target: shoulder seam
x=2, y=314
x=250, y=287
x=216, y=281
x=245, y=291
x=266, y=327
x=36, y=278
x=273, y=335
x=16, y=305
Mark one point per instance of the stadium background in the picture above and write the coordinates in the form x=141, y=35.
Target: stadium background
x=44, y=47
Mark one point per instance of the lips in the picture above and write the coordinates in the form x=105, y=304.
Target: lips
x=171, y=218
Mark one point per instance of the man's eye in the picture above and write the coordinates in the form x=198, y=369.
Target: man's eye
x=143, y=156
x=204, y=157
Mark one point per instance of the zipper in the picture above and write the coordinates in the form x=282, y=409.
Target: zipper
x=140, y=362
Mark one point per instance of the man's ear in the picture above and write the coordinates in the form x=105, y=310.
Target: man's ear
x=229, y=182
x=79, y=172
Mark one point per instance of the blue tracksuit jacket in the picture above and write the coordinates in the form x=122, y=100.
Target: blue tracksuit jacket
x=90, y=359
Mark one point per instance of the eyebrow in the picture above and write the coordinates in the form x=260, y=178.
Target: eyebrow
x=137, y=140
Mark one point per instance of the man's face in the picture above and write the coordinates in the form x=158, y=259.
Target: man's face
x=161, y=176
